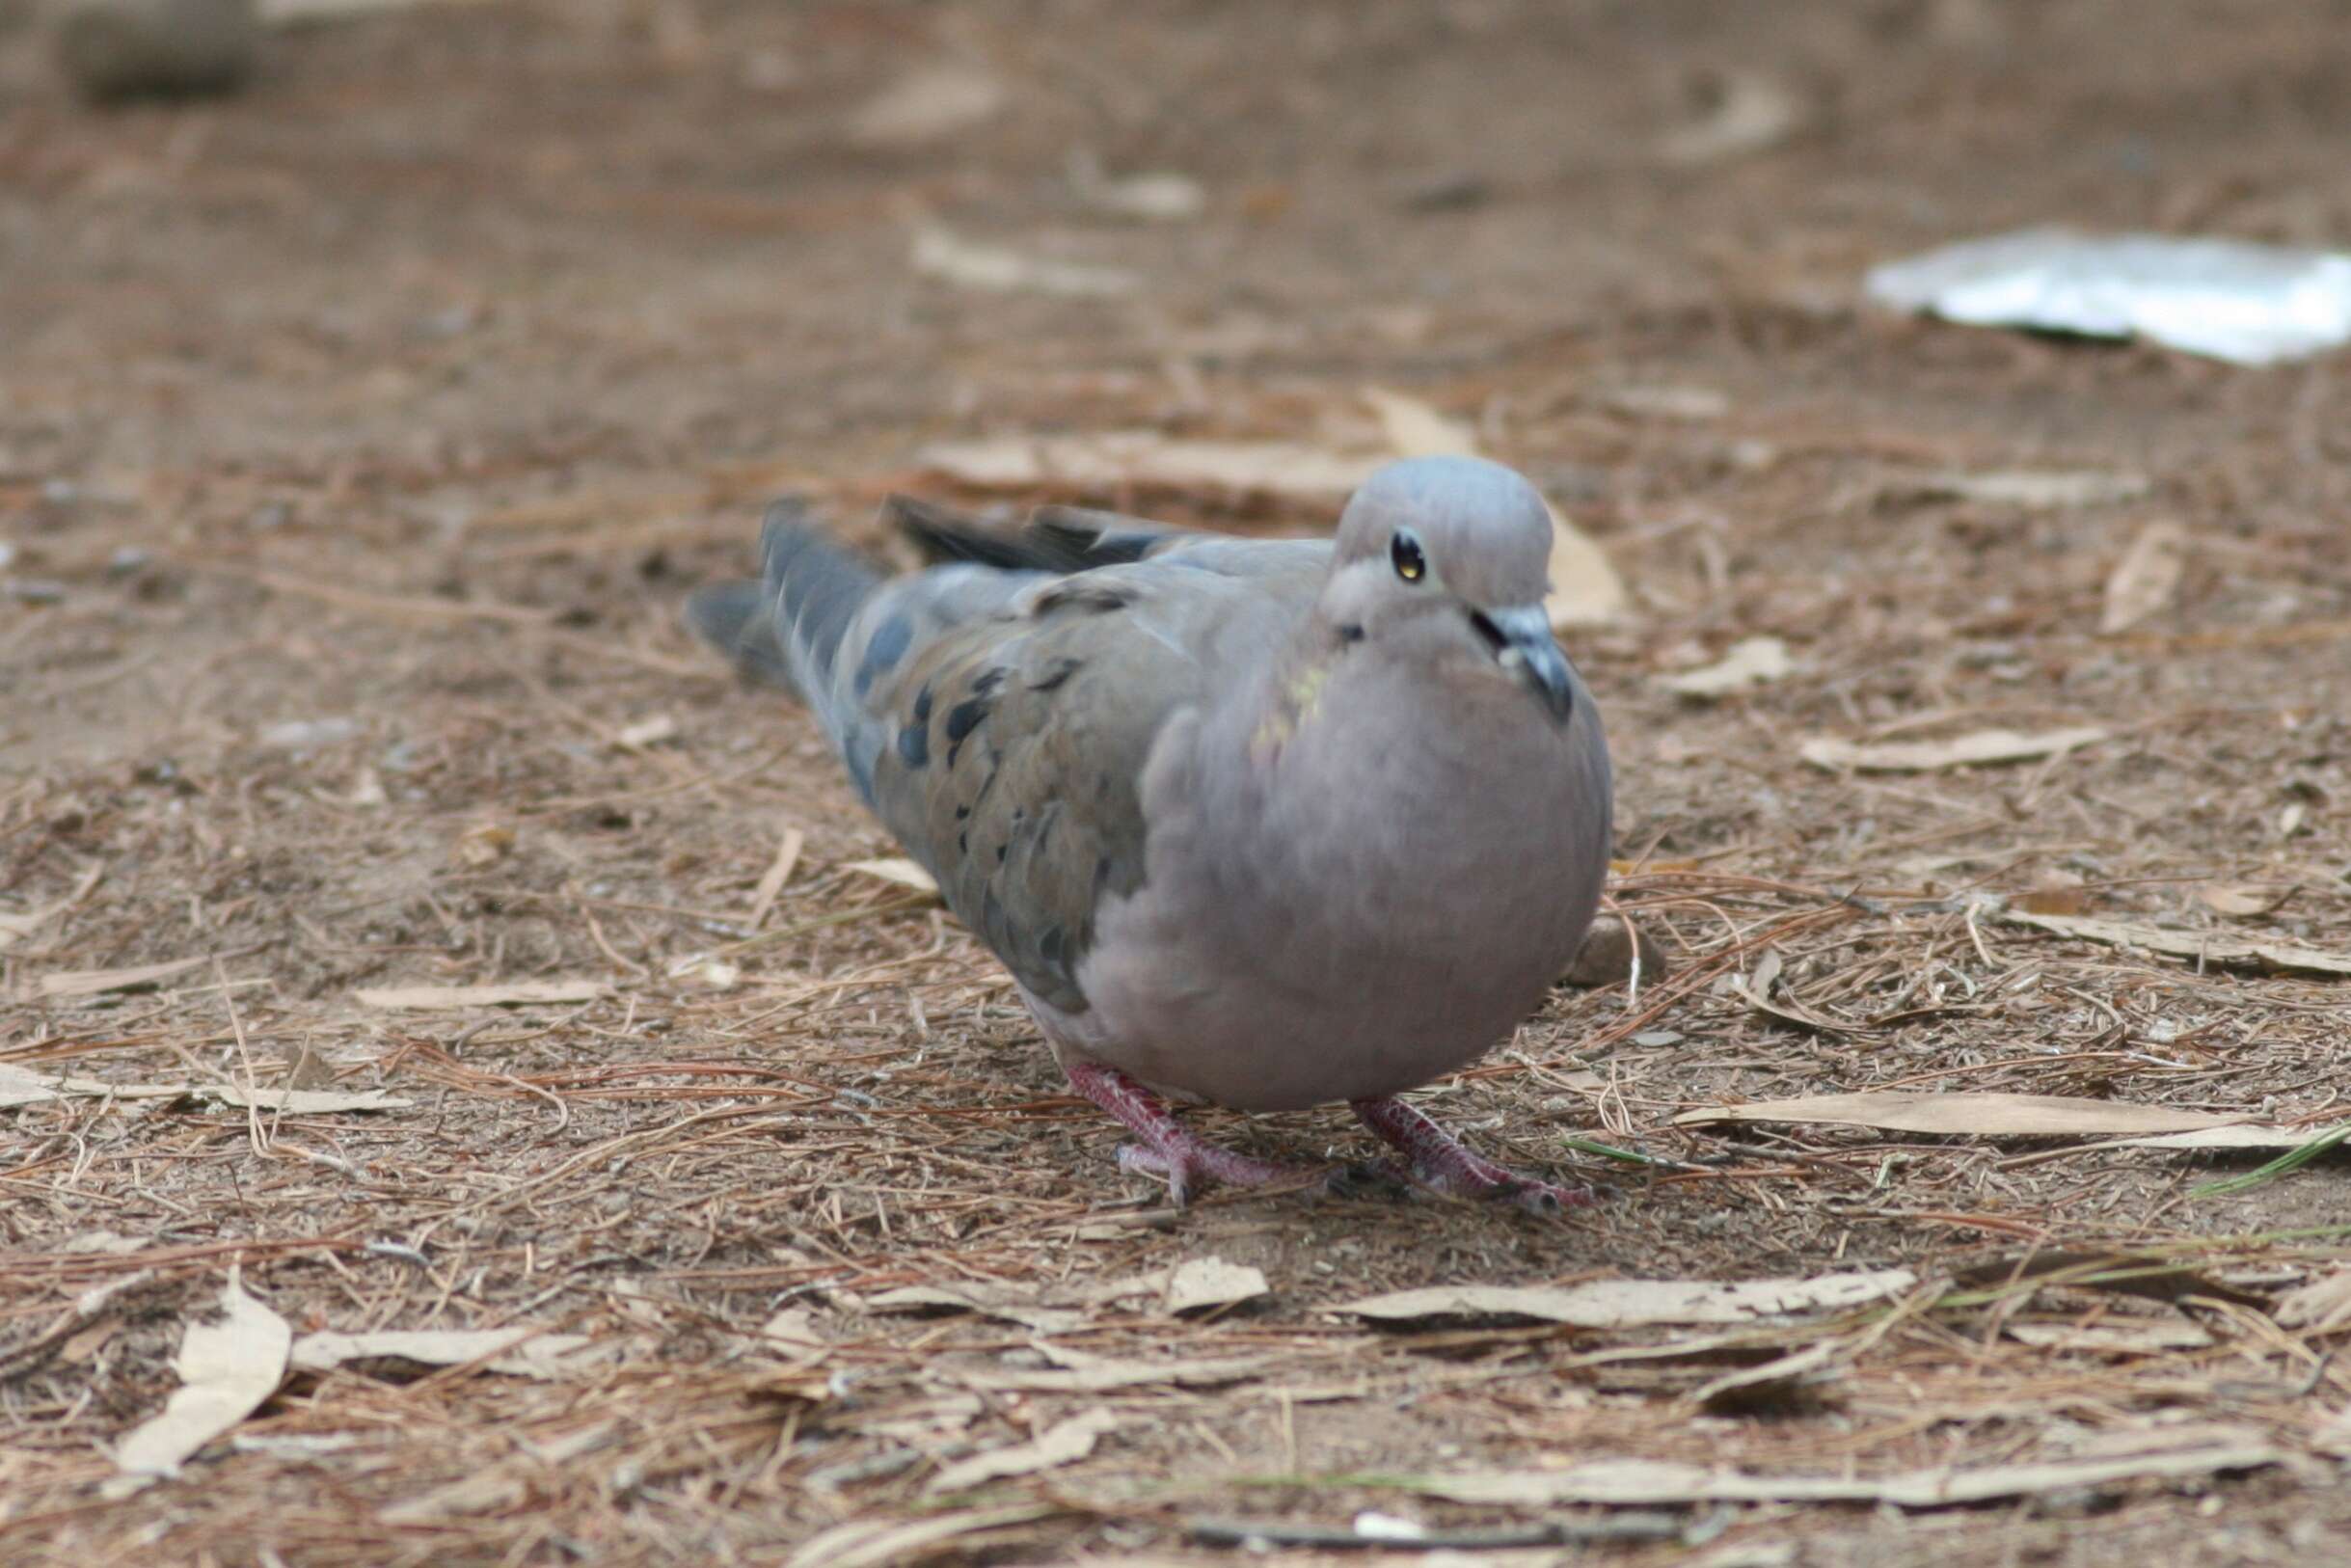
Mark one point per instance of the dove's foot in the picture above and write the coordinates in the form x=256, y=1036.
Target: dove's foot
x=1169, y=1149
x=1440, y=1160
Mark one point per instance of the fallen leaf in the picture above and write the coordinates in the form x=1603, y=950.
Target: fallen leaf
x=1009, y=1304
x=1932, y=756
x=306, y=1102
x=897, y=869
x=875, y=1543
x=1987, y=1115
x=520, y=993
x=2240, y=899
x=1112, y=459
x=1609, y=1304
x=97, y=981
x=2058, y=491
x=1751, y=112
x=1651, y=1482
x=1690, y=404
x=226, y=1369
x=1418, y=429
x=2065, y=899
x=2147, y=577
x=924, y=106
x=1096, y=1376
x=1144, y=197
x=2321, y=1307
x=539, y=1355
x=994, y=269
x=1201, y=1283
x=2204, y=947
x=1754, y=662
x=2110, y=1338
x=646, y=732
x=1061, y=1443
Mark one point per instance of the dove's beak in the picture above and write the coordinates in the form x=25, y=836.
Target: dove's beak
x=1523, y=645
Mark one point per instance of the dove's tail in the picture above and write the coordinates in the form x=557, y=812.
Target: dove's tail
x=787, y=629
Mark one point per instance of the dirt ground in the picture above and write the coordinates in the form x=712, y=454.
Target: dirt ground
x=360, y=436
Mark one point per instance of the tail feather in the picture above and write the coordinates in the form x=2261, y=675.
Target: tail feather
x=1060, y=539
x=787, y=629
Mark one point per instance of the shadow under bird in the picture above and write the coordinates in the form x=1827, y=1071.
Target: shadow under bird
x=1263, y=822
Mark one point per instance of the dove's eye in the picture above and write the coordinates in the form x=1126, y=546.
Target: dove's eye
x=1404, y=554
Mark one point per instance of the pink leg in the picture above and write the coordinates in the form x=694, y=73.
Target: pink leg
x=1440, y=1160
x=1168, y=1150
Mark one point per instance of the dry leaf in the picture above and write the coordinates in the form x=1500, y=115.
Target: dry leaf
x=306, y=1102
x=925, y=106
x=1010, y=1304
x=97, y=981
x=2321, y=1307
x=2204, y=947
x=646, y=732
x=1112, y=459
x=2112, y=1338
x=1061, y=1443
x=1202, y=1283
x=1416, y=429
x=875, y=1543
x=539, y=1355
x=994, y=269
x=1754, y=662
x=1613, y=1304
x=1690, y=404
x=2059, y=491
x=521, y=993
x=1751, y=112
x=1146, y=198
x=1099, y=1375
x=897, y=869
x=2240, y=899
x=226, y=1371
x=1653, y=1482
x=2147, y=577
x=1932, y=756
x=1584, y=587
x=1988, y=1115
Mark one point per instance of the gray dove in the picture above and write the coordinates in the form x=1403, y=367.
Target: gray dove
x=1263, y=822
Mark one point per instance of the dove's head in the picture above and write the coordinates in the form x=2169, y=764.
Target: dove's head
x=1446, y=560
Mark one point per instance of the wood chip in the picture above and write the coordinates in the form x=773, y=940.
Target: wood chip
x=2147, y=577
x=2204, y=947
x=1008, y=1304
x=227, y=1369
x=1610, y=1304
x=520, y=993
x=1932, y=756
x=1061, y=1443
x=306, y=1102
x=1098, y=1376
x=1987, y=1115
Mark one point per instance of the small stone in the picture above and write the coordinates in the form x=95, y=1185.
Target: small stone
x=1606, y=957
x=115, y=49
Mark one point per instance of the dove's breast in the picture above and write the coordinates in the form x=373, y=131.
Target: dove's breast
x=1377, y=902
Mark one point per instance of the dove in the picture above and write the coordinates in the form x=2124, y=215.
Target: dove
x=1262, y=823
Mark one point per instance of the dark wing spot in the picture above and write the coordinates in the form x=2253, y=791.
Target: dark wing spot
x=1060, y=670
x=987, y=682
x=922, y=704
x=965, y=716
x=887, y=645
x=914, y=744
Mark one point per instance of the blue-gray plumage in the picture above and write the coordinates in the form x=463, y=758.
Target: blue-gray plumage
x=1268, y=822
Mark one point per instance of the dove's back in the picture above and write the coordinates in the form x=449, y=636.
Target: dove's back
x=998, y=713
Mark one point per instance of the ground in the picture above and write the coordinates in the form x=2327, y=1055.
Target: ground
x=360, y=436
